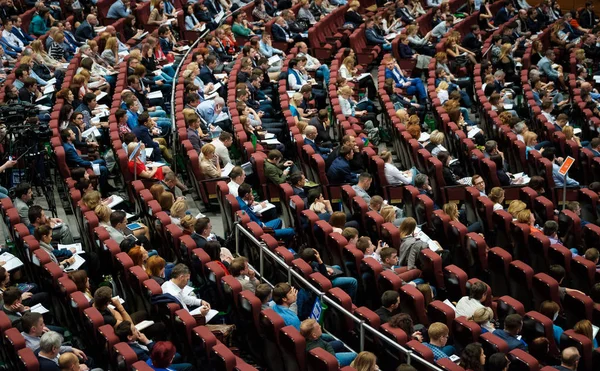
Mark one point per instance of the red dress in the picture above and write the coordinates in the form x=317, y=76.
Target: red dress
x=142, y=167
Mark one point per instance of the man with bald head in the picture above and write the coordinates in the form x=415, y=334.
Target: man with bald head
x=113, y=32
x=311, y=134
x=569, y=359
x=69, y=362
x=521, y=22
x=86, y=28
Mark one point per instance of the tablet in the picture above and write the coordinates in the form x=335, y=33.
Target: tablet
x=134, y=226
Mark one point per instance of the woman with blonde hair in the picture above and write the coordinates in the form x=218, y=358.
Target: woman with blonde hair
x=187, y=223
x=178, y=210
x=352, y=17
x=515, y=207
x=388, y=213
x=40, y=55
x=436, y=138
x=365, y=361
x=103, y=212
x=451, y=209
x=442, y=91
x=462, y=56
x=350, y=108
x=483, y=317
x=111, y=52
x=298, y=112
x=527, y=217
x=568, y=131
x=209, y=162
x=393, y=175
x=531, y=143
x=421, y=45
x=497, y=197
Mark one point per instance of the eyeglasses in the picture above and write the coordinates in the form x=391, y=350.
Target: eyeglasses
x=478, y=183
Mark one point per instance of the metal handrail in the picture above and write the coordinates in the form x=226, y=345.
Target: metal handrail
x=363, y=327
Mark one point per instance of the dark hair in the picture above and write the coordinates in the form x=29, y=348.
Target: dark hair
x=497, y=362
x=29, y=320
x=127, y=244
x=120, y=113
x=595, y=293
x=403, y=322
x=34, y=213
x=538, y=348
x=389, y=298
x=213, y=249
x=280, y=291
x=497, y=159
x=477, y=290
x=513, y=322
x=22, y=189
x=244, y=189
x=557, y=272
x=102, y=297
x=295, y=178
x=180, y=270
x=41, y=231
x=470, y=357
x=201, y=225
x=123, y=330
x=308, y=255
x=537, y=182
x=274, y=154
x=11, y=295
x=237, y=265
x=443, y=157
x=117, y=217
x=88, y=97
x=143, y=118
x=550, y=227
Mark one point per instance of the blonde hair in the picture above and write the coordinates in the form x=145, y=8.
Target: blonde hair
x=524, y=216
x=345, y=90
x=207, y=149
x=112, y=45
x=364, y=361
x=482, y=315
x=436, y=137
x=297, y=97
x=451, y=210
x=386, y=155
x=529, y=137
x=584, y=327
x=349, y=62
x=567, y=131
x=103, y=213
x=91, y=199
x=179, y=207
x=187, y=222
x=388, y=213
x=437, y=330
x=515, y=207
x=442, y=86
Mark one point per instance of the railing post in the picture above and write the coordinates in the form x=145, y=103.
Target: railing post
x=408, y=355
x=262, y=263
x=362, y=335
x=237, y=239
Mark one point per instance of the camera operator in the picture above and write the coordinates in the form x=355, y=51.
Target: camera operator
x=7, y=165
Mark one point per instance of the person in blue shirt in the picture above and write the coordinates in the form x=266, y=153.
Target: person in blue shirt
x=339, y=172
x=438, y=337
x=19, y=32
x=513, y=324
x=246, y=199
x=74, y=160
x=132, y=112
x=412, y=86
x=559, y=179
x=311, y=134
x=119, y=9
x=373, y=38
x=550, y=309
x=142, y=132
x=348, y=284
x=284, y=296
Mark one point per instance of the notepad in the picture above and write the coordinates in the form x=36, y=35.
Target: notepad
x=39, y=308
x=274, y=59
x=141, y=36
x=268, y=207
x=220, y=76
x=116, y=199
x=79, y=261
x=101, y=95
x=391, y=36
x=227, y=169
x=96, y=84
x=210, y=315
x=363, y=75
x=155, y=95
x=144, y=325
x=12, y=262
x=77, y=246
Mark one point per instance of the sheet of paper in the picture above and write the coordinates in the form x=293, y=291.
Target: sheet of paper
x=144, y=325
x=218, y=18
x=96, y=168
x=227, y=169
x=12, y=262
x=149, y=151
x=155, y=164
x=274, y=59
x=215, y=88
x=142, y=36
x=363, y=75
x=448, y=303
x=76, y=265
x=211, y=313
x=42, y=97
x=101, y=95
x=42, y=108
x=52, y=81
x=39, y=308
x=96, y=84
x=115, y=200
x=155, y=95
x=269, y=136
x=222, y=117
x=99, y=29
x=391, y=36
x=77, y=246
x=595, y=331
x=268, y=207
x=290, y=93
x=220, y=76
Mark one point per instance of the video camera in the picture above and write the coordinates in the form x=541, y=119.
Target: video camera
x=21, y=121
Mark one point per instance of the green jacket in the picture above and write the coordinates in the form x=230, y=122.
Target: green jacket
x=319, y=343
x=37, y=26
x=274, y=173
x=240, y=30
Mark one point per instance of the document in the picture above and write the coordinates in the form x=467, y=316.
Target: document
x=101, y=95
x=115, y=200
x=144, y=325
x=363, y=75
x=39, y=308
x=227, y=169
x=210, y=315
x=76, y=265
x=77, y=246
x=141, y=36
x=11, y=261
x=274, y=59
x=155, y=95
x=48, y=89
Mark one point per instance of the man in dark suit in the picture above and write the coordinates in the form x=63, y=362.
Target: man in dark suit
x=142, y=132
x=298, y=180
x=207, y=71
x=403, y=13
x=47, y=354
x=311, y=134
x=19, y=32
x=512, y=327
x=86, y=28
x=74, y=160
x=587, y=18
x=373, y=38
x=192, y=133
x=29, y=92
x=321, y=122
x=472, y=40
x=282, y=33
x=504, y=14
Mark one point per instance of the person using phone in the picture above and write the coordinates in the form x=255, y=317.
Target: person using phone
x=334, y=273
x=276, y=170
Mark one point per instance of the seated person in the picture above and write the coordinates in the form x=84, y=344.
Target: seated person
x=60, y=231
x=240, y=270
x=49, y=350
x=513, y=323
x=369, y=250
x=275, y=171
x=13, y=307
x=390, y=306
x=334, y=273
x=404, y=322
x=136, y=165
x=340, y=172
x=310, y=329
x=142, y=346
x=246, y=199
x=364, y=183
x=558, y=273
x=467, y=305
x=438, y=337
x=34, y=328
x=180, y=276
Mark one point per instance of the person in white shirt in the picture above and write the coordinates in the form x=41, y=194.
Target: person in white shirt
x=497, y=197
x=393, y=175
x=467, y=305
x=547, y=108
x=180, y=275
x=10, y=37
x=237, y=176
x=222, y=143
x=312, y=63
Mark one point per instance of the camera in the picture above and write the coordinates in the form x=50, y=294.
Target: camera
x=21, y=121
